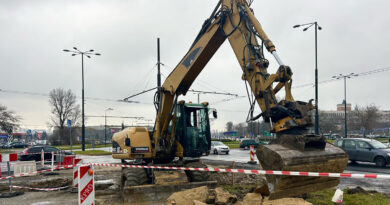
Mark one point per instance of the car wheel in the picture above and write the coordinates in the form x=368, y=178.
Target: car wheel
x=246, y=147
x=227, y=153
x=215, y=151
x=380, y=161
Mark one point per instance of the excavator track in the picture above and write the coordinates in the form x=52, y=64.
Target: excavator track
x=304, y=153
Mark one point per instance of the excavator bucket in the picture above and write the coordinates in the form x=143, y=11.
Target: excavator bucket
x=303, y=153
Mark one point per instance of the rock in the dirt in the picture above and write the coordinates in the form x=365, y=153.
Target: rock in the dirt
x=196, y=202
x=114, y=187
x=223, y=197
x=252, y=199
x=263, y=190
x=188, y=196
x=103, y=184
x=286, y=201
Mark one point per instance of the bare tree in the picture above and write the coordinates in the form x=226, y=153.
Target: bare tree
x=329, y=123
x=229, y=126
x=9, y=121
x=64, y=107
x=365, y=117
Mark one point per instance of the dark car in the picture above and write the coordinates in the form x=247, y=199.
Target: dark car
x=15, y=145
x=247, y=143
x=365, y=150
x=34, y=153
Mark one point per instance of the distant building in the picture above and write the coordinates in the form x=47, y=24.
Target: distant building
x=335, y=118
x=341, y=107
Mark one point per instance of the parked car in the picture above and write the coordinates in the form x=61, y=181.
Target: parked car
x=2, y=144
x=218, y=147
x=34, y=153
x=12, y=145
x=365, y=150
x=245, y=144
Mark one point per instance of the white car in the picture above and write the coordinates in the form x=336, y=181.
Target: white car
x=218, y=147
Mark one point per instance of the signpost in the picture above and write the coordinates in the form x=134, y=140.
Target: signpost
x=70, y=133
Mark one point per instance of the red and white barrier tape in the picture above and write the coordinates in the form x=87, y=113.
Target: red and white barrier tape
x=244, y=171
x=247, y=171
x=40, y=189
x=37, y=172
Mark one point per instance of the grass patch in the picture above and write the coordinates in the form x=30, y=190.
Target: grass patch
x=330, y=141
x=324, y=197
x=78, y=146
x=93, y=152
x=233, y=146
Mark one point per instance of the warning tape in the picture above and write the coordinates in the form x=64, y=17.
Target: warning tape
x=40, y=189
x=243, y=171
x=37, y=172
x=247, y=171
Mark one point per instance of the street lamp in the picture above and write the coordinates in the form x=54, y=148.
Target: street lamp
x=345, y=97
x=105, y=125
x=75, y=52
x=316, y=27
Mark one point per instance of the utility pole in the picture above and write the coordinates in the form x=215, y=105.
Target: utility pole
x=88, y=54
x=158, y=74
x=316, y=28
x=105, y=125
x=345, y=98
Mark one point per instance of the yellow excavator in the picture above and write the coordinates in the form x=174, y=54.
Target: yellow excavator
x=181, y=133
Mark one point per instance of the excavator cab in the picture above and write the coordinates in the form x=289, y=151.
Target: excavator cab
x=192, y=129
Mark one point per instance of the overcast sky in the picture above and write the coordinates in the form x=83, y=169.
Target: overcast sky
x=354, y=38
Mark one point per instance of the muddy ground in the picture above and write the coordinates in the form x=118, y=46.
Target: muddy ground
x=107, y=185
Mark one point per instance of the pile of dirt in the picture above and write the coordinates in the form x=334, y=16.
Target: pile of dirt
x=170, y=177
x=235, y=178
x=219, y=196
x=359, y=189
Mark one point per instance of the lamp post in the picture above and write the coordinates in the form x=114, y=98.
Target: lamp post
x=105, y=125
x=345, y=97
x=316, y=28
x=75, y=52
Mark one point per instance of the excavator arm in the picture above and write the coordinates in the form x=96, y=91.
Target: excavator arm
x=233, y=20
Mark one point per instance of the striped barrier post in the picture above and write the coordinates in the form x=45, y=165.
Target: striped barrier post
x=7, y=158
x=42, y=158
x=252, y=155
x=77, y=162
x=86, y=185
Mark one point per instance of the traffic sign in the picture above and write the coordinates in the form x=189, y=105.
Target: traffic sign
x=69, y=124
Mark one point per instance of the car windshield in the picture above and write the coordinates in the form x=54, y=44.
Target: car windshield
x=217, y=143
x=377, y=144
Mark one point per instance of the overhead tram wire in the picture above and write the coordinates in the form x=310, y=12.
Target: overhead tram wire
x=122, y=117
x=334, y=79
x=47, y=95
